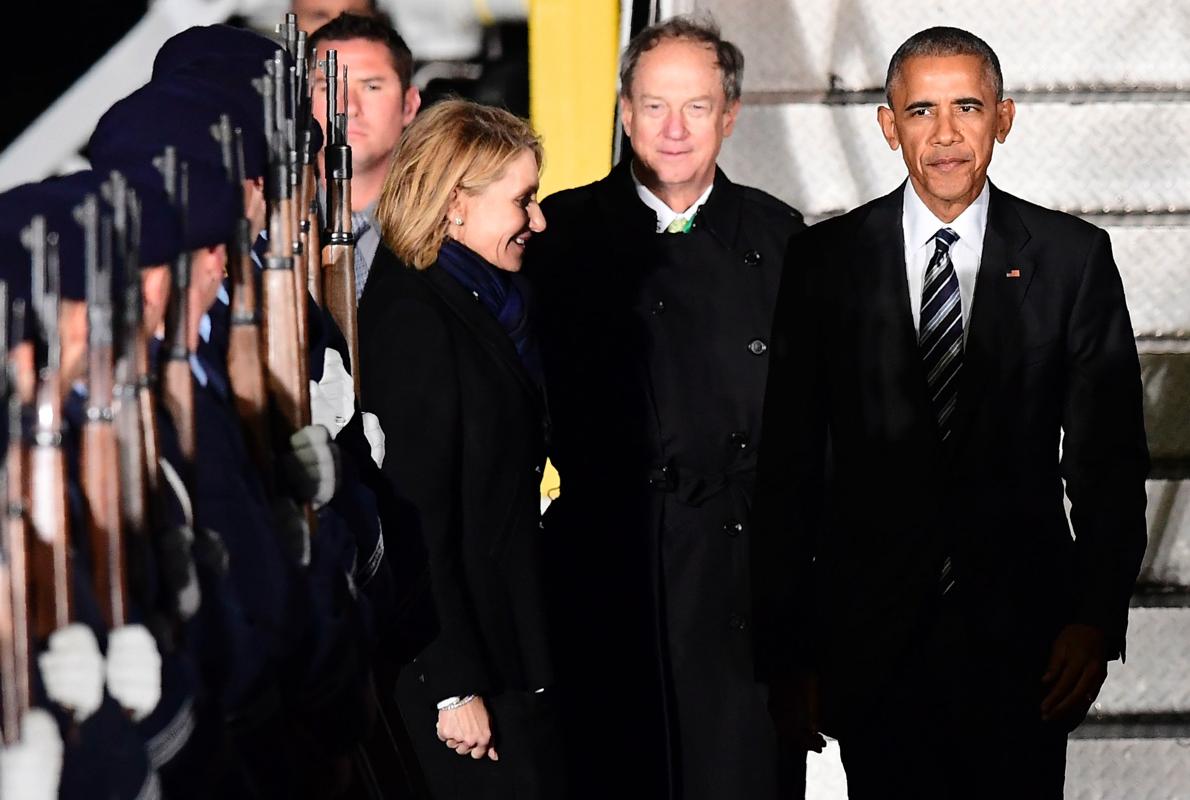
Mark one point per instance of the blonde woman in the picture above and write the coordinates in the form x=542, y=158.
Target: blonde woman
x=450, y=368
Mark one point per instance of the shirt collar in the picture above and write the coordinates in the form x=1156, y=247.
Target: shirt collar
x=665, y=214
x=921, y=224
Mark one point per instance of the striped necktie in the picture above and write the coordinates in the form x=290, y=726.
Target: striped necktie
x=940, y=336
x=940, y=340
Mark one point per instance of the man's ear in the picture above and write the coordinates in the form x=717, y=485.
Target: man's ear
x=626, y=114
x=888, y=126
x=1005, y=114
x=412, y=104
x=729, y=117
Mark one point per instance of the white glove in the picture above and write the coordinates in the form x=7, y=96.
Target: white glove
x=72, y=670
x=134, y=670
x=375, y=436
x=313, y=467
x=332, y=399
x=30, y=768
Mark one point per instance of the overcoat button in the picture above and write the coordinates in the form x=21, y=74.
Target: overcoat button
x=658, y=307
x=739, y=440
x=737, y=622
x=733, y=528
x=757, y=347
x=751, y=258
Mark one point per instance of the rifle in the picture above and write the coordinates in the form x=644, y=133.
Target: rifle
x=131, y=435
x=99, y=459
x=136, y=357
x=285, y=358
x=177, y=385
x=291, y=101
x=338, y=256
x=9, y=680
x=309, y=226
x=14, y=542
x=50, y=551
x=244, y=365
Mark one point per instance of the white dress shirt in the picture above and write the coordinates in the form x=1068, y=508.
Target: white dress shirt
x=920, y=225
x=665, y=214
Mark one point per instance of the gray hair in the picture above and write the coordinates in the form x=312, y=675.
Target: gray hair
x=701, y=30
x=943, y=41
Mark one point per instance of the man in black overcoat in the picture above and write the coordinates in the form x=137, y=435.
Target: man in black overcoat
x=654, y=291
x=943, y=359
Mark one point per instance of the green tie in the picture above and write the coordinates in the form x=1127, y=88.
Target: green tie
x=679, y=225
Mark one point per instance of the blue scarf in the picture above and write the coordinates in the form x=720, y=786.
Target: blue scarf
x=499, y=295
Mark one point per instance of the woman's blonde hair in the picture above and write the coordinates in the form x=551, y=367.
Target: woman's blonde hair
x=454, y=145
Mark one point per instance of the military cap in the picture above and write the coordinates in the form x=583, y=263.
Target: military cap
x=226, y=61
x=205, y=46
x=133, y=134
x=181, y=112
x=57, y=200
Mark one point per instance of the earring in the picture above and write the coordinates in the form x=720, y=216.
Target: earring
x=458, y=220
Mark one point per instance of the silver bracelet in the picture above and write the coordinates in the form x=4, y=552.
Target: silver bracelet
x=451, y=703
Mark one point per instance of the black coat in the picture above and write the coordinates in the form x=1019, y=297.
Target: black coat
x=655, y=355
x=464, y=428
x=847, y=564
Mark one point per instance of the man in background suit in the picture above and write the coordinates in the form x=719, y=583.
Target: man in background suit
x=943, y=358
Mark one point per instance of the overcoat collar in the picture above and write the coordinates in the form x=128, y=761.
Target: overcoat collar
x=618, y=202
x=485, y=327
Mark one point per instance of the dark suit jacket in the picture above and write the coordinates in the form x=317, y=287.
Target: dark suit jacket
x=847, y=563
x=464, y=432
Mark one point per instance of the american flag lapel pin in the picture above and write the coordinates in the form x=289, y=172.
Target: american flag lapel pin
x=1013, y=273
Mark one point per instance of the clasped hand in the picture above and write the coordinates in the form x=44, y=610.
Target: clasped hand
x=467, y=730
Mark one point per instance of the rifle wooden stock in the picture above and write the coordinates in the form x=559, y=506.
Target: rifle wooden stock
x=147, y=406
x=50, y=550
x=338, y=264
x=178, y=394
x=338, y=258
x=130, y=443
x=100, y=473
x=8, y=671
x=314, y=254
x=244, y=365
x=283, y=358
x=14, y=594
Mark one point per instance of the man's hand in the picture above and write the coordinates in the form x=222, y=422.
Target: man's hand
x=134, y=670
x=467, y=730
x=793, y=705
x=72, y=670
x=1077, y=669
x=30, y=768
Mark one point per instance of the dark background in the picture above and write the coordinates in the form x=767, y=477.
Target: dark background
x=81, y=32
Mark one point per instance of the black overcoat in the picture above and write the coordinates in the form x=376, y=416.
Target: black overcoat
x=464, y=428
x=655, y=353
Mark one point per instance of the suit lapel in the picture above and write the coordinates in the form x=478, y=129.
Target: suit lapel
x=485, y=327
x=1005, y=275
x=882, y=290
